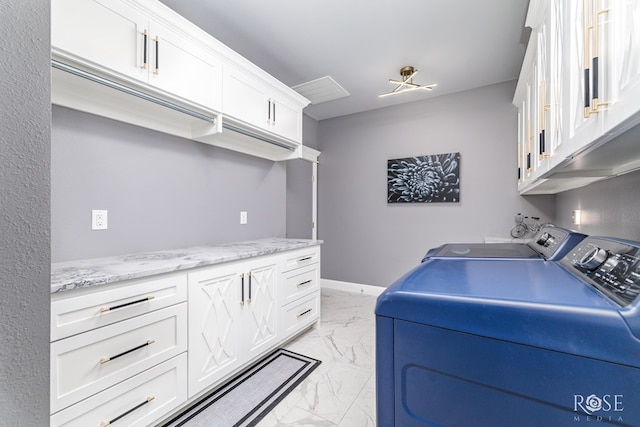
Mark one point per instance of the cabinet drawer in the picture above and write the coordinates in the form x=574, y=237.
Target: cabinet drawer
x=154, y=393
x=299, y=282
x=88, y=363
x=73, y=312
x=300, y=314
x=300, y=258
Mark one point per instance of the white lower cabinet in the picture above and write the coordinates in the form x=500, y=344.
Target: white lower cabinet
x=300, y=296
x=86, y=364
x=138, y=401
x=300, y=314
x=138, y=351
x=232, y=318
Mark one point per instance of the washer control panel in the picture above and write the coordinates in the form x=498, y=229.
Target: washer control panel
x=612, y=266
x=553, y=242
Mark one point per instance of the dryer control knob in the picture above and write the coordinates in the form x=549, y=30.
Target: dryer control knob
x=593, y=259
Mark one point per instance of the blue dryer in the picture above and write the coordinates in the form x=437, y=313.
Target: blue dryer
x=483, y=342
x=550, y=243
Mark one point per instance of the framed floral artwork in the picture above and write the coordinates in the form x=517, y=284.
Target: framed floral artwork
x=433, y=178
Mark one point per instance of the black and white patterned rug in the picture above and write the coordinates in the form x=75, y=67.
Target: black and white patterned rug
x=246, y=399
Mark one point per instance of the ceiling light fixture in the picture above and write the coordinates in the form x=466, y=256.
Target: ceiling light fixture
x=407, y=84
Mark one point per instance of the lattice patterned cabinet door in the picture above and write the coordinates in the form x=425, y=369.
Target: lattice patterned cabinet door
x=262, y=315
x=214, y=325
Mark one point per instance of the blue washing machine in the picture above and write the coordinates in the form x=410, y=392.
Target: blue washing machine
x=482, y=342
x=550, y=243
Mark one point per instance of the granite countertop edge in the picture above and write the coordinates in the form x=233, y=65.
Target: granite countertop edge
x=69, y=275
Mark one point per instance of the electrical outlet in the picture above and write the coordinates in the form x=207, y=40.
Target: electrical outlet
x=99, y=220
x=243, y=217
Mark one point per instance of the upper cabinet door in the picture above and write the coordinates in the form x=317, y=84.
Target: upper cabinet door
x=285, y=119
x=624, y=45
x=244, y=98
x=587, y=61
x=555, y=83
x=116, y=38
x=179, y=66
x=104, y=33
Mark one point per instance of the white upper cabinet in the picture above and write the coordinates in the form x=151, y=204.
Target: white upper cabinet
x=253, y=101
x=587, y=71
x=139, y=62
x=624, y=66
x=578, y=94
x=107, y=34
x=115, y=37
x=553, y=114
x=181, y=67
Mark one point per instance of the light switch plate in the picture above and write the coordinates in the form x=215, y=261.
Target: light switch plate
x=243, y=217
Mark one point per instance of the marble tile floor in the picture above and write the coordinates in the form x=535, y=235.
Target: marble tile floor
x=341, y=391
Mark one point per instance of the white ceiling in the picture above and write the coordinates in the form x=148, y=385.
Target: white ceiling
x=458, y=44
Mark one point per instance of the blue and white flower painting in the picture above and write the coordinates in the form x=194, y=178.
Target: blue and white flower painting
x=433, y=178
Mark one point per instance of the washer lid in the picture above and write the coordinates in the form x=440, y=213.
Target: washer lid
x=483, y=250
x=531, y=303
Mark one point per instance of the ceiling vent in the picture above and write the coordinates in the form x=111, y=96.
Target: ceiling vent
x=321, y=90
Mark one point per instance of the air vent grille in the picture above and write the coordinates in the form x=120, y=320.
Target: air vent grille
x=321, y=90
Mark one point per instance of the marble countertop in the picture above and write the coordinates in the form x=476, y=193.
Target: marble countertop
x=70, y=275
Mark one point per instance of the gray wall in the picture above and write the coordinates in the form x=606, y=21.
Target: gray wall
x=24, y=212
x=299, y=186
x=609, y=208
x=371, y=242
x=161, y=192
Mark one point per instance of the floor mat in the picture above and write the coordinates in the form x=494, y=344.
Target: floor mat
x=246, y=399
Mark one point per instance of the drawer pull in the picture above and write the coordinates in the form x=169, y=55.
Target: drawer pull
x=108, y=359
x=124, y=414
x=126, y=304
x=306, y=282
x=305, y=259
x=305, y=312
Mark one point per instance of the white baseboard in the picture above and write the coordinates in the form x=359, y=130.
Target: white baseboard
x=352, y=287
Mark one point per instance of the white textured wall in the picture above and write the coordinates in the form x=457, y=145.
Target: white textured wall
x=24, y=213
x=371, y=242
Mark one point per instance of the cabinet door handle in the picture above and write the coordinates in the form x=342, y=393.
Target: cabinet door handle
x=307, y=311
x=126, y=304
x=249, y=299
x=595, y=99
x=157, y=69
x=124, y=414
x=274, y=111
x=242, y=288
x=586, y=25
x=306, y=282
x=144, y=49
x=269, y=111
x=124, y=353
